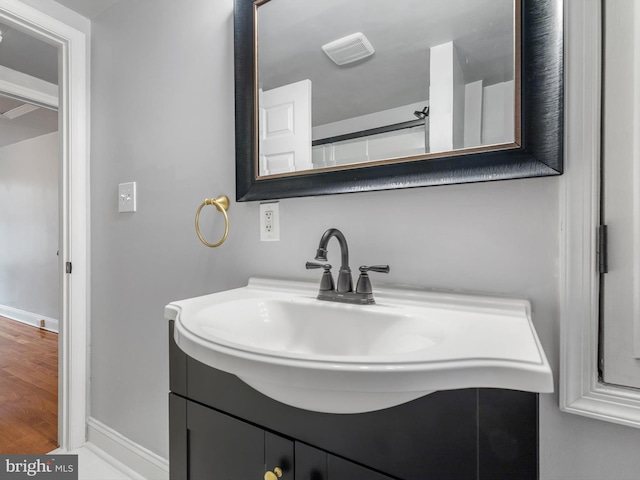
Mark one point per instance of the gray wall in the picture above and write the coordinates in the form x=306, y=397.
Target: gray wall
x=162, y=115
x=29, y=225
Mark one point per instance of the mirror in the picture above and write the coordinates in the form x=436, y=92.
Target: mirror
x=374, y=80
x=439, y=92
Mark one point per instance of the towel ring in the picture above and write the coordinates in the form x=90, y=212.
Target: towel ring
x=222, y=205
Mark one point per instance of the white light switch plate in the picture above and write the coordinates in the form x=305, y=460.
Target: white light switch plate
x=127, y=197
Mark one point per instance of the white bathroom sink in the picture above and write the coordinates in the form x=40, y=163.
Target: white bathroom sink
x=341, y=358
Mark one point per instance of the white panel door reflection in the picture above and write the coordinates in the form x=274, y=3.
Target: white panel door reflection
x=285, y=129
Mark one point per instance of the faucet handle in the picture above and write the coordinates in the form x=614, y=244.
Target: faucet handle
x=326, y=283
x=312, y=266
x=364, y=283
x=375, y=268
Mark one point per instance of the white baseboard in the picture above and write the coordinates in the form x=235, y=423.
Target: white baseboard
x=29, y=318
x=146, y=464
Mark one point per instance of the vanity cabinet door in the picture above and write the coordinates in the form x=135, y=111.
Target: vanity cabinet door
x=278, y=452
x=223, y=448
x=340, y=469
x=311, y=463
x=315, y=464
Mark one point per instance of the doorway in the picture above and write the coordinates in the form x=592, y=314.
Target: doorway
x=73, y=260
x=619, y=352
x=29, y=277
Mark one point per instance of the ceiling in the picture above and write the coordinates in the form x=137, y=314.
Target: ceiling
x=27, y=54
x=24, y=53
x=29, y=125
x=291, y=33
x=87, y=8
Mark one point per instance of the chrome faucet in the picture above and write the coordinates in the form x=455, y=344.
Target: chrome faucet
x=343, y=291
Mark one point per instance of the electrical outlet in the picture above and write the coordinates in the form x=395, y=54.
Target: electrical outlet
x=127, y=197
x=270, y=222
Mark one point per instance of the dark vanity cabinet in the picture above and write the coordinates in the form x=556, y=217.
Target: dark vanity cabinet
x=222, y=429
x=222, y=447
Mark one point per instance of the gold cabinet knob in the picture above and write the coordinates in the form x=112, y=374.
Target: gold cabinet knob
x=275, y=475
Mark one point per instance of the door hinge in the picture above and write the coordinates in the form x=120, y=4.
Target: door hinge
x=69, y=267
x=603, y=262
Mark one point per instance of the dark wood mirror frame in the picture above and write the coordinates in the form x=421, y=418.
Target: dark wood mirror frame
x=540, y=152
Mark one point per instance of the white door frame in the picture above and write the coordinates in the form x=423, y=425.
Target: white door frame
x=74, y=211
x=580, y=390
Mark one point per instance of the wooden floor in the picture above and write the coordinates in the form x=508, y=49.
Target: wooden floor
x=28, y=388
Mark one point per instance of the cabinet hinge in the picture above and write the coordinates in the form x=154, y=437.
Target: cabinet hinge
x=603, y=263
x=69, y=267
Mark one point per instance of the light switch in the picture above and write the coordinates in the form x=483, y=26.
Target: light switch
x=127, y=197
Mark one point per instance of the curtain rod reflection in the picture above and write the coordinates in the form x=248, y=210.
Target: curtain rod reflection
x=372, y=131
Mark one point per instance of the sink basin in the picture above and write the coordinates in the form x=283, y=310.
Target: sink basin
x=341, y=358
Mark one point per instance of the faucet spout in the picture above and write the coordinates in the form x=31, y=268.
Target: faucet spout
x=343, y=291
x=345, y=282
